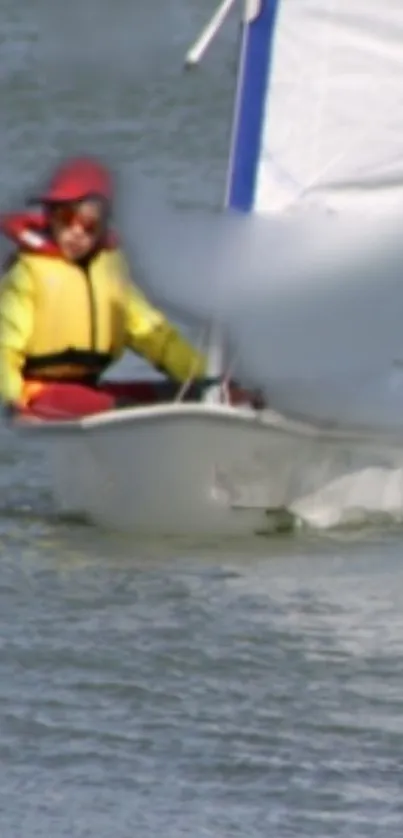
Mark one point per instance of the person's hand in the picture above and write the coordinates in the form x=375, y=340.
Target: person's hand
x=236, y=393
x=245, y=396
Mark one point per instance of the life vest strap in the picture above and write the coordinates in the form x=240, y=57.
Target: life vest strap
x=78, y=360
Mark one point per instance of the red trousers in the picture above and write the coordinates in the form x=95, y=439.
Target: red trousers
x=68, y=400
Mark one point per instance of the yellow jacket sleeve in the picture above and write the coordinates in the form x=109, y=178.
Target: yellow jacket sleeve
x=151, y=335
x=16, y=324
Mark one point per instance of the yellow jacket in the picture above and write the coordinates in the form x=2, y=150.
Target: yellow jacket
x=58, y=321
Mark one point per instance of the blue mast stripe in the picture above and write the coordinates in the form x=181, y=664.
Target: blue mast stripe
x=252, y=90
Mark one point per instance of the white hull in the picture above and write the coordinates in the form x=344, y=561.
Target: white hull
x=188, y=469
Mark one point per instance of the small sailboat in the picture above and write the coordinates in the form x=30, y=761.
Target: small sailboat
x=305, y=107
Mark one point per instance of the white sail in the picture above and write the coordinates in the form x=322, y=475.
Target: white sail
x=318, y=135
x=331, y=129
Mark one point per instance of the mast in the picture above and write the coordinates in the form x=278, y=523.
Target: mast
x=258, y=22
x=255, y=54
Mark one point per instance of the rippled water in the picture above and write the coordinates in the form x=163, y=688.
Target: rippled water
x=237, y=689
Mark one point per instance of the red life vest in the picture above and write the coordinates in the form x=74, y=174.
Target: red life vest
x=30, y=232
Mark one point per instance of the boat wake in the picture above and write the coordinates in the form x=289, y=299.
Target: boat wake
x=323, y=478
x=371, y=496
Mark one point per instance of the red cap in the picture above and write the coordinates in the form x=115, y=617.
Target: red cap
x=76, y=180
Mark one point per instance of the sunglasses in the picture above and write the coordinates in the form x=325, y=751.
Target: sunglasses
x=69, y=215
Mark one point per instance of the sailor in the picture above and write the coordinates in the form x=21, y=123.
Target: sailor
x=68, y=307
